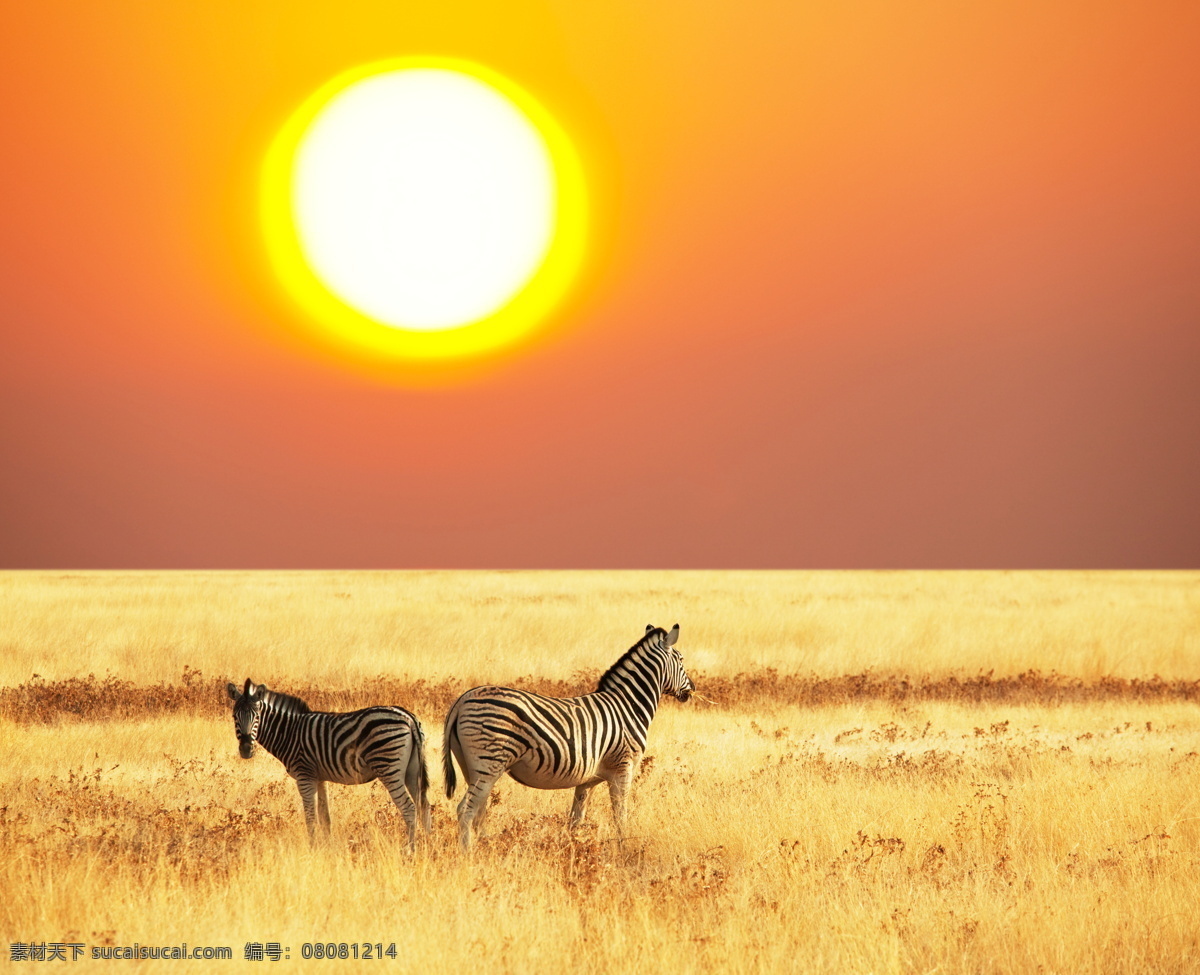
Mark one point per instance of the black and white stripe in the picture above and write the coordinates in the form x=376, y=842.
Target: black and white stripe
x=355, y=747
x=563, y=743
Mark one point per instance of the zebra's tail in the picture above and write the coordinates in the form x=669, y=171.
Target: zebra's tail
x=417, y=757
x=448, y=751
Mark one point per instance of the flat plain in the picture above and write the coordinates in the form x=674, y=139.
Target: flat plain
x=887, y=771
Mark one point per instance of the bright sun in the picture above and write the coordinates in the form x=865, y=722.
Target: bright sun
x=424, y=208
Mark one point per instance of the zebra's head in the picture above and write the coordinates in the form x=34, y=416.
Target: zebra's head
x=676, y=680
x=247, y=711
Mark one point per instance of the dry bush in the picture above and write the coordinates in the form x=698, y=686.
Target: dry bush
x=96, y=699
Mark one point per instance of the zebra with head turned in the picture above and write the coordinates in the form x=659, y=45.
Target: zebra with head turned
x=563, y=743
x=354, y=747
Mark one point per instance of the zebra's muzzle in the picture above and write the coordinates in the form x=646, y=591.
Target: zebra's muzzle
x=246, y=747
x=684, y=694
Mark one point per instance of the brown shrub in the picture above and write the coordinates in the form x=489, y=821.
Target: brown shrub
x=93, y=699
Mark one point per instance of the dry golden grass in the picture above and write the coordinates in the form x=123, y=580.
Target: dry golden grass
x=917, y=815
x=341, y=627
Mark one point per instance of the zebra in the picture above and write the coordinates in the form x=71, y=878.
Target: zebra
x=562, y=743
x=354, y=747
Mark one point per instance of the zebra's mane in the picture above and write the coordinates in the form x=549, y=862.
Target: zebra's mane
x=607, y=678
x=287, y=703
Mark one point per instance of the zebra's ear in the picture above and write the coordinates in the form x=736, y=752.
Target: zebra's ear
x=673, y=635
x=233, y=691
x=649, y=627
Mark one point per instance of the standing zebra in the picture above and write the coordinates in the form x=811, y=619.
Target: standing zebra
x=563, y=743
x=355, y=747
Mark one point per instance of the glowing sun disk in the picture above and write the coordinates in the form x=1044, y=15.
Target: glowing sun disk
x=423, y=208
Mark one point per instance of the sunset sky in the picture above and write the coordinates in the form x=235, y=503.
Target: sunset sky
x=866, y=285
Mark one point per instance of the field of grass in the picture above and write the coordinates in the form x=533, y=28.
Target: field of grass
x=892, y=772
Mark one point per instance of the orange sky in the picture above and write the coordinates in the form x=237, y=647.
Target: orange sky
x=872, y=285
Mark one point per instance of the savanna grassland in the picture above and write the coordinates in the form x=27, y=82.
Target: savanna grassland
x=888, y=772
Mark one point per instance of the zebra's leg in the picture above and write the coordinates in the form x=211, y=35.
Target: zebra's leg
x=618, y=789
x=323, y=807
x=393, y=781
x=579, y=806
x=308, y=791
x=472, y=811
x=481, y=771
x=479, y=823
x=485, y=811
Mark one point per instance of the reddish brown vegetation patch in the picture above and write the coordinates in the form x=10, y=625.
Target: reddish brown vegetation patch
x=1030, y=687
x=111, y=698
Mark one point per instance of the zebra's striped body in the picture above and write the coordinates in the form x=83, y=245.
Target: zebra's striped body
x=562, y=743
x=352, y=748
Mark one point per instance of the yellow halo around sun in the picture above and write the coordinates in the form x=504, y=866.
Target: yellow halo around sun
x=423, y=208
